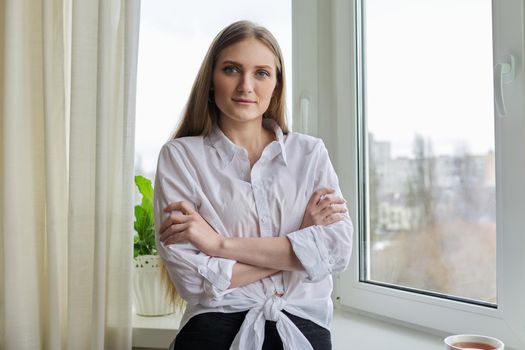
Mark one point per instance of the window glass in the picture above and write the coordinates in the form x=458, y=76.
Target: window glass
x=427, y=93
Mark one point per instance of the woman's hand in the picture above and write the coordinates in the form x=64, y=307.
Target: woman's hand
x=323, y=209
x=188, y=225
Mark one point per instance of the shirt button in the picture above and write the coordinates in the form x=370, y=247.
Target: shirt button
x=263, y=220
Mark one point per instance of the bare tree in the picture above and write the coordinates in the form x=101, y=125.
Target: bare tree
x=468, y=183
x=421, y=183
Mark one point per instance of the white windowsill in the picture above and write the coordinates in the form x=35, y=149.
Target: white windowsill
x=349, y=331
x=155, y=332
x=354, y=331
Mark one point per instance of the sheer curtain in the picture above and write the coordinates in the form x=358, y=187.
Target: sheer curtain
x=67, y=97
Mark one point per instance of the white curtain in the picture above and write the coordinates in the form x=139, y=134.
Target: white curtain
x=67, y=97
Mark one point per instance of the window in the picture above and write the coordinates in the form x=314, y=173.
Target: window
x=429, y=164
x=174, y=37
x=430, y=158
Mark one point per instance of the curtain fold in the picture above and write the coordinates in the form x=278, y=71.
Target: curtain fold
x=67, y=97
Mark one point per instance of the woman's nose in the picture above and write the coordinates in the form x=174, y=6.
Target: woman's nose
x=245, y=84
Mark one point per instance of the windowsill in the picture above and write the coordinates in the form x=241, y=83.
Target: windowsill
x=354, y=331
x=349, y=331
x=155, y=332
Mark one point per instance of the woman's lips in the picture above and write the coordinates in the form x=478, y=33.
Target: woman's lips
x=242, y=100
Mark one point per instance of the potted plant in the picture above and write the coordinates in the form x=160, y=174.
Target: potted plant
x=149, y=294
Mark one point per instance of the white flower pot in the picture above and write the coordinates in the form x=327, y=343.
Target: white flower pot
x=149, y=295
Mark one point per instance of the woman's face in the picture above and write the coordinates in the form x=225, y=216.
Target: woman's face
x=244, y=79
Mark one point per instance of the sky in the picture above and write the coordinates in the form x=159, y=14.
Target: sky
x=429, y=71
x=429, y=68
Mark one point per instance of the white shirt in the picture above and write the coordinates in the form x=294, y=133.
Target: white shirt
x=268, y=200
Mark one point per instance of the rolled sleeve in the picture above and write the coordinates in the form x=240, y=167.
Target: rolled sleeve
x=218, y=274
x=323, y=250
x=313, y=256
x=198, y=278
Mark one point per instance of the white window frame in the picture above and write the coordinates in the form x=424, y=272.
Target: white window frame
x=334, y=115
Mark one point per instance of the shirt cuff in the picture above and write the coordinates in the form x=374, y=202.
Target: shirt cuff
x=312, y=253
x=217, y=276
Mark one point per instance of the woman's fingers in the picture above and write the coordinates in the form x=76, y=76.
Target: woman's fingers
x=332, y=213
x=182, y=206
x=330, y=205
x=330, y=200
x=173, y=219
x=316, y=196
x=332, y=219
x=173, y=232
x=332, y=209
x=324, y=208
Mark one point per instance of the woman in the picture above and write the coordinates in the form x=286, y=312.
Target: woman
x=250, y=219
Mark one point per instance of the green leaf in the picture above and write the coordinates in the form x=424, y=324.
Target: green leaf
x=143, y=221
x=146, y=189
x=144, y=241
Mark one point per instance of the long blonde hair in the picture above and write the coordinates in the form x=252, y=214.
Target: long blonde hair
x=201, y=112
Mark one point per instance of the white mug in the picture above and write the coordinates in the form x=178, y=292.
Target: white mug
x=468, y=341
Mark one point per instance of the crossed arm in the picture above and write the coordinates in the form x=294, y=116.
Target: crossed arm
x=256, y=257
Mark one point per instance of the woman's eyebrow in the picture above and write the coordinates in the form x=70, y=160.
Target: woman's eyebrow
x=240, y=64
x=232, y=62
x=264, y=66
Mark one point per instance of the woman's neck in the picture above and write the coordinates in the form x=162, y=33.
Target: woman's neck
x=251, y=136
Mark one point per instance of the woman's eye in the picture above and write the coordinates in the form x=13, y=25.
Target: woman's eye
x=263, y=73
x=230, y=69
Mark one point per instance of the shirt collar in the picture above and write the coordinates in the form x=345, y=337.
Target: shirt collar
x=227, y=149
x=271, y=124
x=223, y=145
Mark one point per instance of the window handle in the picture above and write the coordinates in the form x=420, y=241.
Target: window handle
x=504, y=73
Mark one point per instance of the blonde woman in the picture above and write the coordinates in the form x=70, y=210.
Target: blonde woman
x=249, y=216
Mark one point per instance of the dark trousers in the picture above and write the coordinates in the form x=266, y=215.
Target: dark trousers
x=216, y=331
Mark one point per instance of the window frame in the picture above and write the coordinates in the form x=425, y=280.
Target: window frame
x=432, y=313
